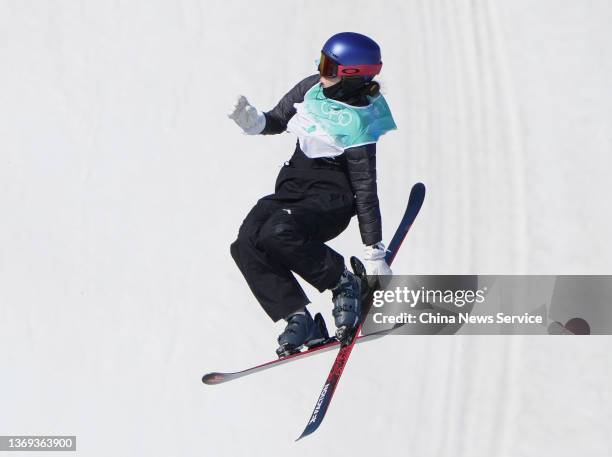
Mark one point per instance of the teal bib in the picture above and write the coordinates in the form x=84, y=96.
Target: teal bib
x=326, y=127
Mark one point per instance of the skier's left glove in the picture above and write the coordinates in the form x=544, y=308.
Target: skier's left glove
x=374, y=260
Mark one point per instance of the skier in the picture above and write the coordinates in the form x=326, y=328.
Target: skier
x=338, y=116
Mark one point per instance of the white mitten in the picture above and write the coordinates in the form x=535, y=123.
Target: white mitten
x=250, y=120
x=374, y=260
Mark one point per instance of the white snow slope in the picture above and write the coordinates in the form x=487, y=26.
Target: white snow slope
x=122, y=184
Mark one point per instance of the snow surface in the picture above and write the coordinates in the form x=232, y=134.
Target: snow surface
x=122, y=184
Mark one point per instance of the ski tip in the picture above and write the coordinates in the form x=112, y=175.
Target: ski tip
x=213, y=378
x=419, y=186
x=304, y=434
x=418, y=191
x=358, y=267
x=314, y=423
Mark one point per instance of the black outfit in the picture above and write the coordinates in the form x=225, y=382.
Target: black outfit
x=313, y=202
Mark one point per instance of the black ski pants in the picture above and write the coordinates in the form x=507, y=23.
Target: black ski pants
x=281, y=235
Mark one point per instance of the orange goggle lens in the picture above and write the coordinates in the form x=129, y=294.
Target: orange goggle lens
x=327, y=67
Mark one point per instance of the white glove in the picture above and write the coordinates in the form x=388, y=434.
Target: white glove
x=250, y=120
x=374, y=260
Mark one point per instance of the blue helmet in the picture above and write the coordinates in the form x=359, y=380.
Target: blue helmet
x=351, y=54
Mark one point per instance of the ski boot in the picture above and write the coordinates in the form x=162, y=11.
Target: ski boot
x=302, y=330
x=347, y=306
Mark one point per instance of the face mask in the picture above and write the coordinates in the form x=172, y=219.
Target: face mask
x=346, y=90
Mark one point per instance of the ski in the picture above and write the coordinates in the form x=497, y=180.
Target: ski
x=415, y=201
x=215, y=378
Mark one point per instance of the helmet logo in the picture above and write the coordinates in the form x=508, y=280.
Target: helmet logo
x=350, y=71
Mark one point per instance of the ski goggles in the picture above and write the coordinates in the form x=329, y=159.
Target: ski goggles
x=328, y=67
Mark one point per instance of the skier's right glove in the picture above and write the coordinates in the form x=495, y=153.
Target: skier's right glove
x=374, y=260
x=248, y=118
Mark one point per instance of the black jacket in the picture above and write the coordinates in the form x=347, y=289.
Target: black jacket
x=353, y=172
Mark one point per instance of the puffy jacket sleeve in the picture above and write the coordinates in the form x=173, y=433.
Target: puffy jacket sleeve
x=278, y=117
x=361, y=165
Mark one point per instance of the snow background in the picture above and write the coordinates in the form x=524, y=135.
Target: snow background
x=122, y=184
